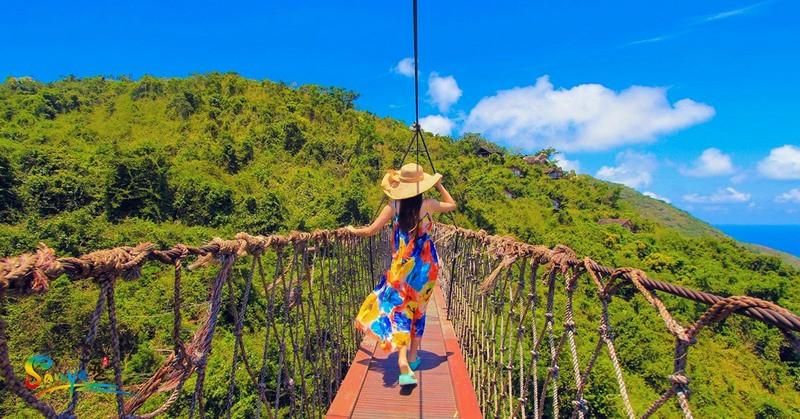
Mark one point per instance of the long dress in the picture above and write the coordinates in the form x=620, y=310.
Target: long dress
x=395, y=310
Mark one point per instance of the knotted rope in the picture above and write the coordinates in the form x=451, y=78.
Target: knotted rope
x=493, y=314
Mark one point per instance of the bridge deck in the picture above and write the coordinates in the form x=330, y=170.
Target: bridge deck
x=370, y=388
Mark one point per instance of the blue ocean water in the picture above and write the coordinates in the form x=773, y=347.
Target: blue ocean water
x=781, y=237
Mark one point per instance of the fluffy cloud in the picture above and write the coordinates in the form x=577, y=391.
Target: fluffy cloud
x=712, y=162
x=633, y=169
x=437, y=124
x=405, y=67
x=444, y=91
x=783, y=163
x=657, y=196
x=728, y=195
x=567, y=164
x=585, y=117
x=791, y=196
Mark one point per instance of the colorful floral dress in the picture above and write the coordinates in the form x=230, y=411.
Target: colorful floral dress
x=395, y=310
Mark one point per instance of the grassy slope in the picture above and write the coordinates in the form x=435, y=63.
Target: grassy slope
x=304, y=159
x=668, y=215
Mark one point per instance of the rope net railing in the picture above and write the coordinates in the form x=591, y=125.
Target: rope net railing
x=512, y=306
x=310, y=286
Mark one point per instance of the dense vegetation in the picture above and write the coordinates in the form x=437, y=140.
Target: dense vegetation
x=93, y=163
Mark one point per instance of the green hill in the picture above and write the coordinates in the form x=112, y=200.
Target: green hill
x=93, y=163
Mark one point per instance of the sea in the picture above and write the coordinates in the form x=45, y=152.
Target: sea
x=785, y=238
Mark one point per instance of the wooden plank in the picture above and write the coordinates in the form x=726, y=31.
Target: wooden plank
x=444, y=390
x=436, y=388
x=466, y=399
x=346, y=396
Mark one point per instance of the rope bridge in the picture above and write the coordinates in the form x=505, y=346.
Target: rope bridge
x=493, y=298
x=312, y=284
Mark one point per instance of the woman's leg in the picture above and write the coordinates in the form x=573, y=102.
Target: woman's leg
x=414, y=347
x=402, y=360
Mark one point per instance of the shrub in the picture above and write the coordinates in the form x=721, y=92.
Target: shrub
x=138, y=186
x=262, y=214
x=61, y=191
x=660, y=262
x=198, y=201
x=9, y=201
x=293, y=137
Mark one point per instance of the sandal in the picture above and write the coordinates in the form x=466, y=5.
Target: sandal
x=407, y=379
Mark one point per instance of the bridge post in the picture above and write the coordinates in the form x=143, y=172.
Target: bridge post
x=450, y=282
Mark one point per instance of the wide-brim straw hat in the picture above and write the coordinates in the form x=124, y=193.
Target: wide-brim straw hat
x=409, y=181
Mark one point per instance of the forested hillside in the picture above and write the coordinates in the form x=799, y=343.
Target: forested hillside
x=92, y=163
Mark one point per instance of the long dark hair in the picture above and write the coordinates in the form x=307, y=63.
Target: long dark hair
x=409, y=212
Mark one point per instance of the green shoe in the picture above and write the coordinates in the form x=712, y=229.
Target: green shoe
x=407, y=379
x=414, y=365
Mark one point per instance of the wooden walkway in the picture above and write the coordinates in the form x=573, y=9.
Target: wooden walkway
x=370, y=389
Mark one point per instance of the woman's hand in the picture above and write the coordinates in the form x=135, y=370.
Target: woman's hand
x=447, y=203
x=383, y=218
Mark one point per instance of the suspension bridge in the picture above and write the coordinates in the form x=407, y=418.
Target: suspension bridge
x=502, y=326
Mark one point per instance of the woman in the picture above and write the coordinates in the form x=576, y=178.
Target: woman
x=395, y=310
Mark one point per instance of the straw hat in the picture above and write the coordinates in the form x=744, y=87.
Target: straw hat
x=409, y=181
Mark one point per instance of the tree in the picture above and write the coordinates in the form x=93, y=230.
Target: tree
x=9, y=201
x=184, y=104
x=293, y=137
x=199, y=201
x=63, y=190
x=148, y=87
x=138, y=186
x=263, y=213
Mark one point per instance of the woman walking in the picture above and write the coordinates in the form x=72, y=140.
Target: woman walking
x=394, y=311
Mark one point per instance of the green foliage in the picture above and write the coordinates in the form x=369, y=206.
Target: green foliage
x=138, y=186
x=93, y=163
x=147, y=88
x=9, y=201
x=293, y=137
x=263, y=214
x=201, y=201
x=659, y=262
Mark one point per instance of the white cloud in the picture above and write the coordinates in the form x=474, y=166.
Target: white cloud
x=405, y=67
x=567, y=164
x=790, y=196
x=712, y=162
x=584, y=117
x=652, y=40
x=735, y=12
x=783, y=163
x=437, y=124
x=444, y=91
x=633, y=169
x=739, y=177
x=657, y=196
x=728, y=195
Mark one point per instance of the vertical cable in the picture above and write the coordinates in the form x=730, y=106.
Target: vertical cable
x=416, y=70
x=416, y=82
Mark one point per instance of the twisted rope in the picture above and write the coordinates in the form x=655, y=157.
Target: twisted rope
x=486, y=310
x=470, y=295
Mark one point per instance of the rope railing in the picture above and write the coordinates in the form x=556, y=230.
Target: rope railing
x=311, y=295
x=515, y=345
x=502, y=297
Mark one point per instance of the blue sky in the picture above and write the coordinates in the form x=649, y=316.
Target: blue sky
x=694, y=102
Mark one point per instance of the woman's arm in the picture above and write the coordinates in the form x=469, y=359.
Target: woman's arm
x=447, y=204
x=383, y=218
